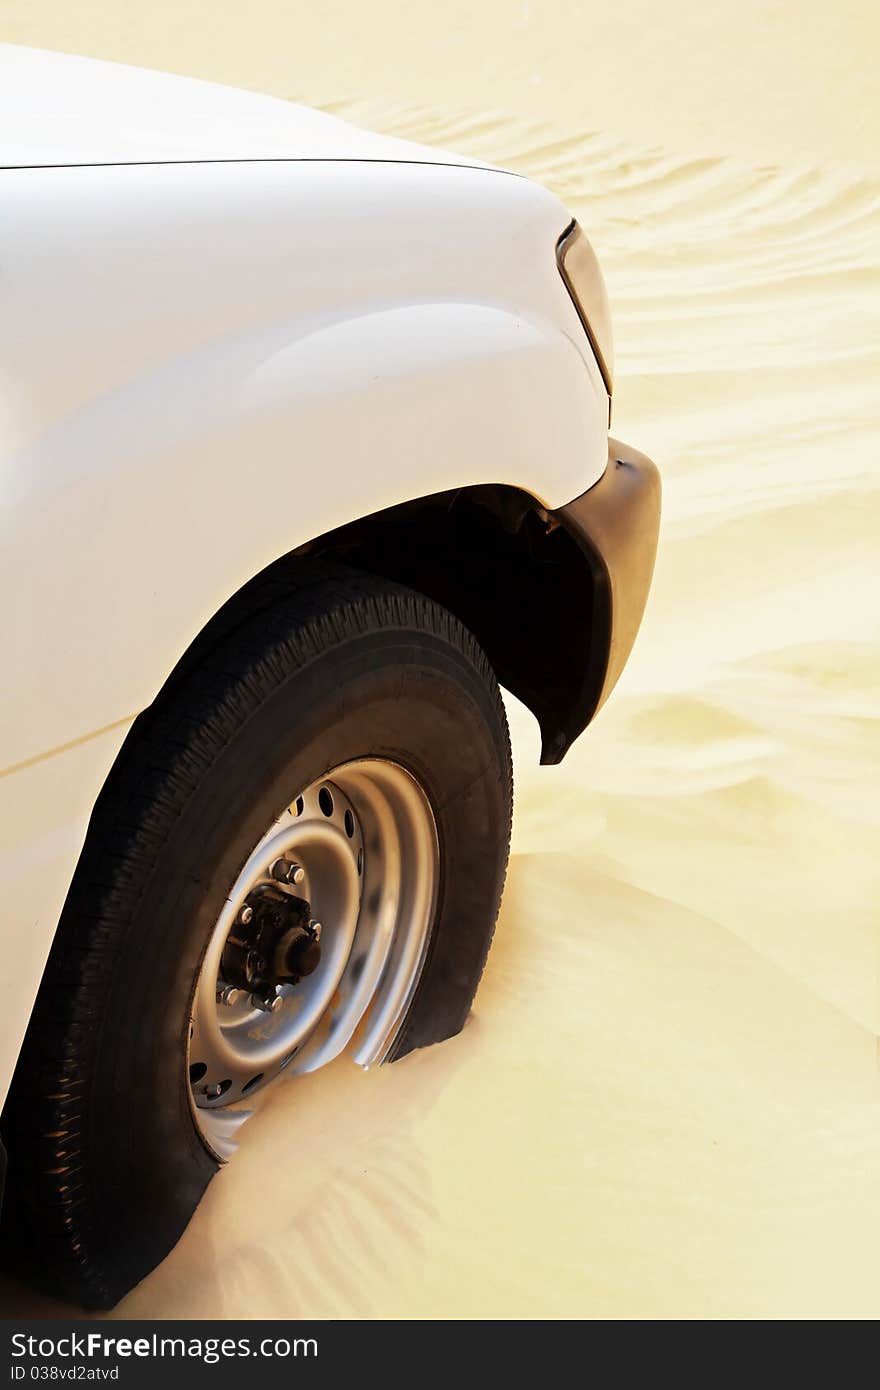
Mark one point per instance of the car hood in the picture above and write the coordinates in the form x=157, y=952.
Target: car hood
x=56, y=109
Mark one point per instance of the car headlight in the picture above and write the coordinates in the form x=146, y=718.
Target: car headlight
x=583, y=278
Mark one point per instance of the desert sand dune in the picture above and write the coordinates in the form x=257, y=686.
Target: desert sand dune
x=667, y=1101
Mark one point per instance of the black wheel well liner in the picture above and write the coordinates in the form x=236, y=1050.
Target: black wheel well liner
x=536, y=600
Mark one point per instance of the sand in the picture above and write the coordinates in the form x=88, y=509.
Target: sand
x=667, y=1101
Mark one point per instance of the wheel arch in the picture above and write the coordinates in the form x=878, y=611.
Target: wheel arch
x=536, y=600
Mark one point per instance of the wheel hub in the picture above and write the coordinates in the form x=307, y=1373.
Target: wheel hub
x=274, y=942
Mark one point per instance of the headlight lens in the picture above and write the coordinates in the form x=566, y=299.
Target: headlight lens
x=583, y=278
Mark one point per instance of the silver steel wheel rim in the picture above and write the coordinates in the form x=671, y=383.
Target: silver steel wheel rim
x=365, y=841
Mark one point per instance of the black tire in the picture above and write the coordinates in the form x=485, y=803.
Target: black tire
x=106, y=1164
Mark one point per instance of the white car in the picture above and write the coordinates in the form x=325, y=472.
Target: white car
x=304, y=451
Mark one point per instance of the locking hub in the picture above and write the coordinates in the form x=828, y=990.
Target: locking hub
x=273, y=942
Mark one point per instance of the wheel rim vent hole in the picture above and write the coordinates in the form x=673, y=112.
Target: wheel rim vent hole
x=325, y=801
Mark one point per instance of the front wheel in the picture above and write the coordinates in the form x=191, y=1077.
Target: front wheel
x=300, y=850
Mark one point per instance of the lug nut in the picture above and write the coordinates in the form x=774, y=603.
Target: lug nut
x=228, y=994
x=212, y=1092
x=315, y=928
x=285, y=872
x=246, y=915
